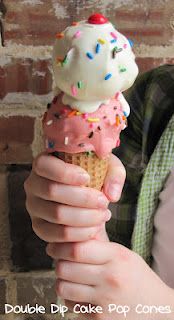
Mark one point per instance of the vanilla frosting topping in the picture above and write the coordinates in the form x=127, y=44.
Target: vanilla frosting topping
x=91, y=64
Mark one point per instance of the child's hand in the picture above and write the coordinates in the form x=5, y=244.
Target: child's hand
x=105, y=273
x=61, y=208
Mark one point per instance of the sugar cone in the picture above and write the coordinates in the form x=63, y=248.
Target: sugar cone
x=96, y=168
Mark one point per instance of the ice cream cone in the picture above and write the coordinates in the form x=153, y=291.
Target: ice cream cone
x=96, y=168
x=93, y=63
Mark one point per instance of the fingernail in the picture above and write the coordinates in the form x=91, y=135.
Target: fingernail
x=48, y=249
x=108, y=215
x=102, y=202
x=114, y=191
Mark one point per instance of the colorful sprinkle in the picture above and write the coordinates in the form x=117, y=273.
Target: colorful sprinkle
x=125, y=45
x=72, y=113
x=65, y=60
x=91, y=125
x=98, y=47
x=90, y=55
x=113, y=41
x=115, y=51
x=60, y=35
x=93, y=119
x=119, y=50
x=108, y=76
x=80, y=84
x=113, y=35
x=51, y=144
x=57, y=115
x=117, y=120
x=131, y=42
x=98, y=128
x=85, y=115
x=123, y=117
x=101, y=41
x=59, y=59
x=75, y=23
x=77, y=34
x=122, y=69
x=73, y=90
x=81, y=145
x=89, y=153
x=49, y=122
x=78, y=113
x=66, y=141
x=64, y=110
x=125, y=113
x=91, y=135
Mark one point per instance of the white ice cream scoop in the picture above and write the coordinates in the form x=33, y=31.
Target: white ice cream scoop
x=92, y=62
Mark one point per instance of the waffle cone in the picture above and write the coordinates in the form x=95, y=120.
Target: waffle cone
x=96, y=168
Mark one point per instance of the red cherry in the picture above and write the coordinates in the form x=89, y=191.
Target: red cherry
x=97, y=18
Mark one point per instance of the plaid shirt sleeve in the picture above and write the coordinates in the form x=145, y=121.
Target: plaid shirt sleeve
x=151, y=102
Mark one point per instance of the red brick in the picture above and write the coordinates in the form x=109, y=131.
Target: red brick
x=148, y=24
x=122, y=15
x=25, y=75
x=37, y=24
x=146, y=64
x=16, y=137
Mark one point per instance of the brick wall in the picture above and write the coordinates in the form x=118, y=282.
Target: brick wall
x=28, y=31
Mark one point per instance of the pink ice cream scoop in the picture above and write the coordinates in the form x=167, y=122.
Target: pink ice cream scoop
x=70, y=131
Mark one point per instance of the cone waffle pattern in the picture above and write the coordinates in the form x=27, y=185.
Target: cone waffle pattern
x=96, y=168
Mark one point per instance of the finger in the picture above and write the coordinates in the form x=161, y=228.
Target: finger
x=78, y=272
x=92, y=251
x=66, y=215
x=57, y=170
x=115, y=179
x=51, y=232
x=74, y=291
x=71, y=195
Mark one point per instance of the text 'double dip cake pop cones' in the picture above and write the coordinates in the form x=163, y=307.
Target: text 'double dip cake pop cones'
x=93, y=64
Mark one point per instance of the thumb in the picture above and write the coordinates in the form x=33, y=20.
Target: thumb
x=114, y=180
